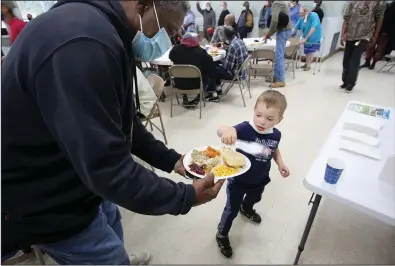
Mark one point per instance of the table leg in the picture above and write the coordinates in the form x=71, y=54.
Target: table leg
x=309, y=223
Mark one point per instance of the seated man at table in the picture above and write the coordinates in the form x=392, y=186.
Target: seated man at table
x=189, y=52
x=219, y=36
x=235, y=56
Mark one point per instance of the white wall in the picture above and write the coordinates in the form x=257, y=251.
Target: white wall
x=331, y=24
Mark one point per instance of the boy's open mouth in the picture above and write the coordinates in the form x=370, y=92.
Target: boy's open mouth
x=260, y=128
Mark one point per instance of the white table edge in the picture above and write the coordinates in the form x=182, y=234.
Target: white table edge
x=377, y=215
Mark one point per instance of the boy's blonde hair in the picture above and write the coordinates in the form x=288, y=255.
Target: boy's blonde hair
x=273, y=98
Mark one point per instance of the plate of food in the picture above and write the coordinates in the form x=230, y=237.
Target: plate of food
x=223, y=162
x=214, y=52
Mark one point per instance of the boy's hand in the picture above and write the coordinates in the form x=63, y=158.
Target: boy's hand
x=229, y=136
x=284, y=171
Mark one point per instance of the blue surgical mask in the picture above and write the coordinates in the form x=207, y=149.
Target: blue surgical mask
x=148, y=49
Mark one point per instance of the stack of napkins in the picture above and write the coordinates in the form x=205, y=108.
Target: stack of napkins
x=361, y=135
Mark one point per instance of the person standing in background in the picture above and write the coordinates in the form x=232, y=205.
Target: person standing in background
x=310, y=25
x=225, y=11
x=281, y=25
x=319, y=10
x=268, y=14
x=189, y=22
x=262, y=20
x=294, y=10
x=29, y=17
x=387, y=33
x=361, y=27
x=245, y=23
x=16, y=24
x=209, y=19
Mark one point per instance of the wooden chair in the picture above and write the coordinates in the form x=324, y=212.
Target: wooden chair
x=239, y=80
x=185, y=71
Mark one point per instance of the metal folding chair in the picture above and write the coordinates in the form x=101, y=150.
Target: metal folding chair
x=185, y=71
x=157, y=84
x=390, y=63
x=266, y=70
x=290, y=56
x=239, y=79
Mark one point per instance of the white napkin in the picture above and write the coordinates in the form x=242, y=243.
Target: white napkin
x=355, y=136
x=359, y=148
x=364, y=124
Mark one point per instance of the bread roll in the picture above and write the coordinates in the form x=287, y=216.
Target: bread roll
x=232, y=158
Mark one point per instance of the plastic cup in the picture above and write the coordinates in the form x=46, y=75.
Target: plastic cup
x=333, y=171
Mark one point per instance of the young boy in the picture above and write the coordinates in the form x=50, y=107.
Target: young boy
x=246, y=190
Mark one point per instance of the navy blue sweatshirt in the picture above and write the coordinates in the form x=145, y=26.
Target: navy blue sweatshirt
x=67, y=112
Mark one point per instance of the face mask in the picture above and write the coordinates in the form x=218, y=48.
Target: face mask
x=244, y=8
x=208, y=8
x=148, y=49
x=222, y=8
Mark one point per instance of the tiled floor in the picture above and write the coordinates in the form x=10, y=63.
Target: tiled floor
x=340, y=235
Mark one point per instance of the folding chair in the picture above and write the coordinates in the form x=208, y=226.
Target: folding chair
x=157, y=84
x=290, y=56
x=265, y=70
x=26, y=255
x=238, y=78
x=390, y=63
x=185, y=71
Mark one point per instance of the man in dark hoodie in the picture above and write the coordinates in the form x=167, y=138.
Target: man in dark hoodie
x=224, y=13
x=69, y=127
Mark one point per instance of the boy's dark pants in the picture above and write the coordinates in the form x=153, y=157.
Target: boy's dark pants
x=237, y=196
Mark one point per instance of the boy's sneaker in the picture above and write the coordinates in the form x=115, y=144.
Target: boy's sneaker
x=220, y=92
x=251, y=215
x=224, y=245
x=343, y=86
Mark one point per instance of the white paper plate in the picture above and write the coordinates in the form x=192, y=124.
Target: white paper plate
x=188, y=160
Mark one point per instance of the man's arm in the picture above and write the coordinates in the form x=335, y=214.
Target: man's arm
x=198, y=8
x=346, y=19
x=150, y=150
x=379, y=15
x=77, y=90
x=213, y=20
x=315, y=23
x=215, y=38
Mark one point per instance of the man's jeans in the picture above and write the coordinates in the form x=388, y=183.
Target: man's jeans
x=279, y=66
x=100, y=243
